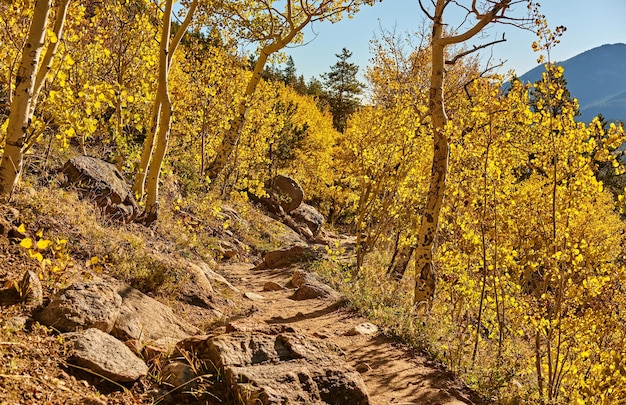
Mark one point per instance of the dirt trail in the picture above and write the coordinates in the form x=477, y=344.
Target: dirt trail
x=397, y=376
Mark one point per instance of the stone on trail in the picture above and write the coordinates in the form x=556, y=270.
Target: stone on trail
x=364, y=329
x=93, y=304
x=104, y=355
x=310, y=286
x=284, y=368
x=287, y=256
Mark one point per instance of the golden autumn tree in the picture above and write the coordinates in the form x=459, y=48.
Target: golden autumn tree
x=478, y=16
x=273, y=25
x=31, y=74
x=156, y=143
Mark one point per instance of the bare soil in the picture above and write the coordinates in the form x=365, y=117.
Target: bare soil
x=33, y=367
x=396, y=375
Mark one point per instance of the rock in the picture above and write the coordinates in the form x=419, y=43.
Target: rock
x=101, y=182
x=31, y=289
x=310, y=286
x=310, y=217
x=146, y=319
x=287, y=256
x=213, y=277
x=309, y=292
x=363, y=368
x=272, y=286
x=105, y=355
x=254, y=296
x=364, y=329
x=179, y=375
x=196, y=289
x=93, y=304
x=285, y=368
x=290, y=193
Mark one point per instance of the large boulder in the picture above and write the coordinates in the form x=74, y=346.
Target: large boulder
x=288, y=255
x=104, y=355
x=145, y=319
x=93, y=304
x=285, y=368
x=101, y=182
x=113, y=307
x=309, y=216
x=288, y=191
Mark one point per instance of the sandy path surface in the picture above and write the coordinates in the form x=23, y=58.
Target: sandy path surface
x=395, y=376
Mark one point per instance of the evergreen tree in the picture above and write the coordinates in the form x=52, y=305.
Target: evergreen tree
x=342, y=89
x=289, y=72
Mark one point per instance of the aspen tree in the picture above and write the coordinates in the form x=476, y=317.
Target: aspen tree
x=155, y=146
x=273, y=30
x=425, y=277
x=28, y=83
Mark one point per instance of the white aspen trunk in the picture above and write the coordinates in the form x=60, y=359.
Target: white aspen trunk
x=19, y=115
x=155, y=118
x=231, y=138
x=46, y=63
x=425, y=277
x=164, y=120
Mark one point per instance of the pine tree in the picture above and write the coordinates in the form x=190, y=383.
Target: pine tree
x=343, y=89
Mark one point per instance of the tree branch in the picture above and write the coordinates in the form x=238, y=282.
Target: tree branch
x=474, y=49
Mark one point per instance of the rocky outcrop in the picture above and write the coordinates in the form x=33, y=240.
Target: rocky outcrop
x=310, y=286
x=284, y=202
x=287, y=256
x=284, y=368
x=106, y=356
x=106, y=305
x=93, y=304
x=146, y=319
x=309, y=216
x=102, y=183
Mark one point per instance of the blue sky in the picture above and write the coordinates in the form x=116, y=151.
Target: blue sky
x=588, y=25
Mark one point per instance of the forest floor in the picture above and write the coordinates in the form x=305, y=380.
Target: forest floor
x=33, y=359
x=397, y=375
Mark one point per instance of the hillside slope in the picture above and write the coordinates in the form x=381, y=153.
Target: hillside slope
x=596, y=77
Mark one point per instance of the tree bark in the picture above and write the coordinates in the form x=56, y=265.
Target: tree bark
x=425, y=277
x=20, y=110
x=164, y=107
x=158, y=117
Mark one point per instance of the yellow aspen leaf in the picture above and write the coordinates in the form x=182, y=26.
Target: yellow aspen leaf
x=39, y=233
x=36, y=255
x=26, y=243
x=21, y=228
x=43, y=244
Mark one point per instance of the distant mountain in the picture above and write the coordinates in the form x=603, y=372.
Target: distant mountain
x=597, y=78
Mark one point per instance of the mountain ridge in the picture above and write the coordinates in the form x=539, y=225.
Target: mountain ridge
x=595, y=77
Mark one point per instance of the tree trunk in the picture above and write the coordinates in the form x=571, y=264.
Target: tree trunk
x=400, y=262
x=158, y=117
x=164, y=106
x=46, y=63
x=425, y=277
x=20, y=110
x=231, y=138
